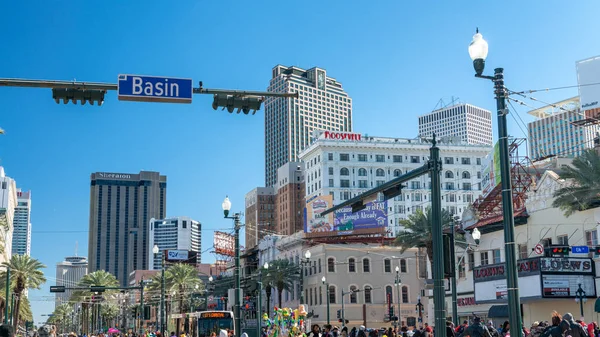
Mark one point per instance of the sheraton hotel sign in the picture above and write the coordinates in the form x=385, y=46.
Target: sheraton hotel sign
x=105, y=175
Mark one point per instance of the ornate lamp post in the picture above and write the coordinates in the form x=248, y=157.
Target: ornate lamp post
x=397, y=283
x=324, y=280
x=156, y=250
x=303, y=261
x=580, y=293
x=236, y=221
x=419, y=309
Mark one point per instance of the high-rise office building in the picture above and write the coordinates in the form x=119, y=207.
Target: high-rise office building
x=177, y=233
x=289, y=122
x=121, y=206
x=555, y=131
x=68, y=274
x=290, y=198
x=8, y=203
x=21, y=241
x=260, y=215
x=472, y=124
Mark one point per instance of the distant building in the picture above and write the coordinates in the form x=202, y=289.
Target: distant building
x=472, y=124
x=176, y=233
x=121, y=206
x=21, y=241
x=68, y=274
x=260, y=213
x=554, y=132
x=289, y=122
x=8, y=204
x=290, y=198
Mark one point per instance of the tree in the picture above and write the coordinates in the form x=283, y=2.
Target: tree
x=584, y=191
x=25, y=273
x=282, y=274
x=61, y=315
x=97, y=278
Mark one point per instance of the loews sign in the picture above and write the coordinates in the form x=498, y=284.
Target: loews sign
x=565, y=265
x=341, y=135
x=535, y=266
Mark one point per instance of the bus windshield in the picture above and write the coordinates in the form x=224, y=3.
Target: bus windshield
x=210, y=322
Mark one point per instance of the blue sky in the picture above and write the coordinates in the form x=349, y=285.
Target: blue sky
x=396, y=59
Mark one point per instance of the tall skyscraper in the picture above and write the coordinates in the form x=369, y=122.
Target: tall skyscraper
x=289, y=122
x=472, y=124
x=178, y=233
x=121, y=206
x=290, y=198
x=8, y=203
x=21, y=241
x=260, y=215
x=68, y=274
x=555, y=131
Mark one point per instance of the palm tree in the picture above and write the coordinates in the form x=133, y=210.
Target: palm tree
x=60, y=316
x=584, y=192
x=25, y=273
x=97, y=278
x=268, y=290
x=282, y=274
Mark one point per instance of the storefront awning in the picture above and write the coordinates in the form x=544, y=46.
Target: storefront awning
x=597, y=305
x=498, y=311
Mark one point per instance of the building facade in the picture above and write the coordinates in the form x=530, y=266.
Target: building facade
x=289, y=122
x=290, y=198
x=8, y=204
x=68, y=274
x=345, y=165
x=472, y=124
x=555, y=132
x=21, y=241
x=260, y=213
x=177, y=233
x=121, y=206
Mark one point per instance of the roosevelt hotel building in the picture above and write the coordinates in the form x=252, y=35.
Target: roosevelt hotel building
x=289, y=122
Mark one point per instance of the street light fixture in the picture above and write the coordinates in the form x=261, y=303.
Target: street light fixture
x=398, y=282
x=324, y=280
x=580, y=298
x=155, y=251
x=259, y=305
x=226, y=205
x=304, y=261
x=476, y=235
x=478, y=51
x=419, y=309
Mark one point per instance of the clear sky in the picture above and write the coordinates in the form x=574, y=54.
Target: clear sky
x=396, y=59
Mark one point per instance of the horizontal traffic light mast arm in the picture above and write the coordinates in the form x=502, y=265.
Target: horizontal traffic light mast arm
x=243, y=93
x=390, y=184
x=105, y=288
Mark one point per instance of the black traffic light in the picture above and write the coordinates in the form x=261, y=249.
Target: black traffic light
x=597, y=250
x=391, y=312
x=97, y=289
x=241, y=103
x=146, y=313
x=557, y=251
x=78, y=95
x=57, y=289
x=448, y=267
x=339, y=314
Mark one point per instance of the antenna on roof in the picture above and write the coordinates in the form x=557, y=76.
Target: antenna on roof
x=76, y=244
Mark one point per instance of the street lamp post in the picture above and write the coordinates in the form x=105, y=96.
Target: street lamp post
x=236, y=221
x=324, y=280
x=398, y=283
x=156, y=250
x=6, y=296
x=344, y=293
x=581, y=299
x=303, y=261
x=210, y=279
x=478, y=50
x=419, y=308
x=259, y=305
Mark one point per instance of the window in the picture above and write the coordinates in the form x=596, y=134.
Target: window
x=449, y=174
x=415, y=185
x=351, y=265
x=484, y=258
x=397, y=159
x=449, y=160
x=344, y=172
x=366, y=266
x=415, y=159
x=461, y=269
x=344, y=157
x=332, y=294
x=478, y=174
x=403, y=268
x=497, y=258
x=451, y=197
x=404, y=294
x=522, y=249
x=362, y=172
x=387, y=266
x=330, y=156
x=465, y=161
x=319, y=266
x=471, y=257
x=467, y=186
x=320, y=295
x=310, y=298
x=331, y=183
x=562, y=240
x=468, y=198
x=466, y=175
x=353, y=294
x=397, y=173
x=331, y=265
x=380, y=173
x=478, y=161
x=379, y=158
x=363, y=184
x=344, y=183
x=362, y=157
x=388, y=293
x=367, y=294
x=330, y=171
x=379, y=183
x=591, y=238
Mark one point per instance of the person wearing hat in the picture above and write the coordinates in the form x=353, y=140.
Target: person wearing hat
x=570, y=328
x=493, y=331
x=477, y=329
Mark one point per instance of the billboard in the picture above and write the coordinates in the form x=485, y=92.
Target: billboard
x=490, y=171
x=182, y=256
x=224, y=243
x=371, y=220
x=588, y=72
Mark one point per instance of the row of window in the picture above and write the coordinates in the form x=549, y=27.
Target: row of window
x=315, y=295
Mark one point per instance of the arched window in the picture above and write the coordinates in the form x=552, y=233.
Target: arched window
x=380, y=173
x=366, y=265
x=397, y=173
x=351, y=265
x=389, y=294
x=331, y=294
x=466, y=175
x=405, y=298
x=403, y=268
x=449, y=174
x=353, y=294
x=368, y=294
x=362, y=172
x=387, y=266
x=331, y=265
x=344, y=172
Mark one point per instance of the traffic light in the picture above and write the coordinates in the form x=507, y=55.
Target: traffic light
x=241, y=103
x=339, y=314
x=57, y=289
x=557, y=251
x=78, y=95
x=391, y=312
x=97, y=289
x=597, y=250
x=448, y=267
